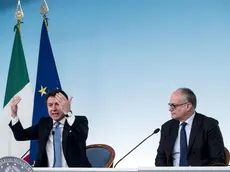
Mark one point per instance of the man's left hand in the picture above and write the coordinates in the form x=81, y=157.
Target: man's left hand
x=63, y=102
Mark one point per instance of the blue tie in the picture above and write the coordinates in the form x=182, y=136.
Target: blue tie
x=57, y=146
x=183, y=146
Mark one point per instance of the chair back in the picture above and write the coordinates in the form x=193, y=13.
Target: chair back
x=100, y=155
x=227, y=155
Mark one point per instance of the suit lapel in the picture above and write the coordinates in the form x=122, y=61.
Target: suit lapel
x=48, y=130
x=66, y=130
x=173, y=134
x=195, y=128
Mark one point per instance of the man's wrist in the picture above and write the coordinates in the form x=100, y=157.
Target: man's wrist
x=13, y=115
x=14, y=120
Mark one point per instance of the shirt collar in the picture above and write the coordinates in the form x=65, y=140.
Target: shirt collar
x=61, y=121
x=189, y=120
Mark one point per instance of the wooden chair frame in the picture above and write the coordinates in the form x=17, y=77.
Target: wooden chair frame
x=109, y=164
x=227, y=154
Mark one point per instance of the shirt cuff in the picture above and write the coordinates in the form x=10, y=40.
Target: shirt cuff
x=14, y=120
x=71, y=119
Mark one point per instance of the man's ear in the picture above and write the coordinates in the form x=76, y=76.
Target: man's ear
x=189, y=106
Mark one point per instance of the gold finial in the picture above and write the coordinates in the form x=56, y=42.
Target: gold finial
x=44, y=9
x=19, y=12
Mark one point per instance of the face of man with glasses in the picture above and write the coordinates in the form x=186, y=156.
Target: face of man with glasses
x=179, y=107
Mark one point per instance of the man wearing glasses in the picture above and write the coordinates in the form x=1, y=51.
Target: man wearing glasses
x=189, y=138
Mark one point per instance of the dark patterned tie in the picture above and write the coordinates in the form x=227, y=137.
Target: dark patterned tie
x=183, y=146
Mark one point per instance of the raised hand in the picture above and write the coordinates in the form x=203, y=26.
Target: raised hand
x=14, y=105
x=63, y=102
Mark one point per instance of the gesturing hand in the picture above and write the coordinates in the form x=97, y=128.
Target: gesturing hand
x=14, y=105
x=63, y=102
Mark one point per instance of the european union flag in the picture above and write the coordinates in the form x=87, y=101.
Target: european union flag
x=47, y=79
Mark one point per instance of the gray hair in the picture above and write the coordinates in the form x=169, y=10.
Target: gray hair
x=189, y=96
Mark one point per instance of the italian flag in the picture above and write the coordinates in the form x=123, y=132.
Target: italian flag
x=18, y=83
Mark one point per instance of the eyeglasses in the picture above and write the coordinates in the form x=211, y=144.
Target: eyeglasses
x=174, y=106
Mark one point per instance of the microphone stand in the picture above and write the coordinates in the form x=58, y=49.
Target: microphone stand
x=155, y=131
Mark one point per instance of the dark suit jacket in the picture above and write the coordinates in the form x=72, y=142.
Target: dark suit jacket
x=73, y=141
x=206, y=147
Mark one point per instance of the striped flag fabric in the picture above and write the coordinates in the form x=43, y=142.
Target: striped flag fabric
x=18, y=83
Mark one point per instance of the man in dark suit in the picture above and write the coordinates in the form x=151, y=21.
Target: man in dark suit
x=61, y=136
x=189, y=138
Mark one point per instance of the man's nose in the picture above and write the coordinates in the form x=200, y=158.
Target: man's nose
x=170, y=108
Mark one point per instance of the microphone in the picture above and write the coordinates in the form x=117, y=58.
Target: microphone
x=155, y=132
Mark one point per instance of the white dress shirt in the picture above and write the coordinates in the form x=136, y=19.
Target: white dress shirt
x=50, y=144
x=176, y=148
